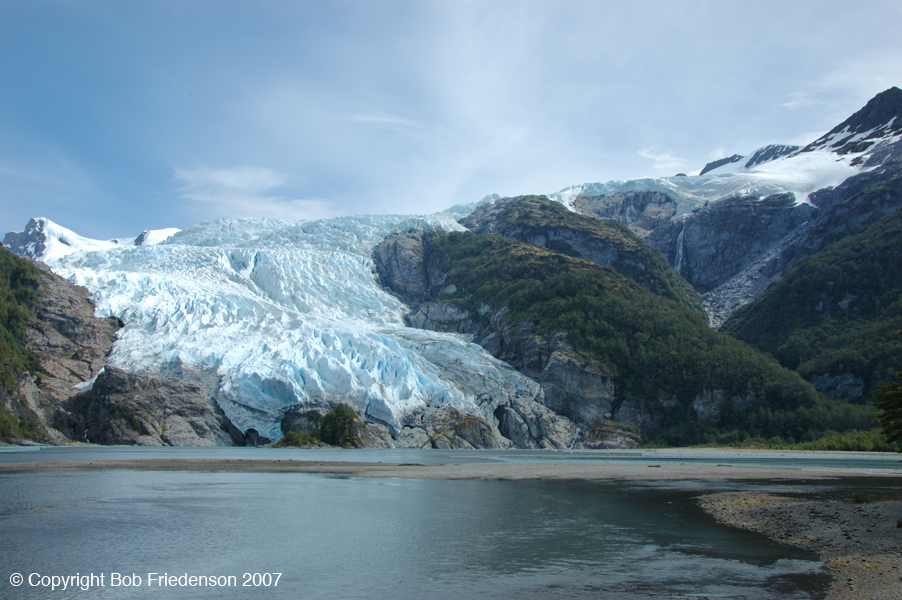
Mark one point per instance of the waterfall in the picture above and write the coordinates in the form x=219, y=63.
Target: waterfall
x=678, y=261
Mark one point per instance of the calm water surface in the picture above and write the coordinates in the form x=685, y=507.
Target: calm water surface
x=334, y=537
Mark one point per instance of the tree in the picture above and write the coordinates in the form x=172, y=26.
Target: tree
x=889, y=401
x=336, y=426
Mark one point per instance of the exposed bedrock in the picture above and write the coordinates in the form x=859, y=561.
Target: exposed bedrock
x=117, y=408
x=123, y=408
x=72, y=345
x=714, y=243
x=572, y=393
x=640, y=211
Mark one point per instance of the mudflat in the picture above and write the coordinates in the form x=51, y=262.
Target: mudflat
x=860, y=542
x=504, y=471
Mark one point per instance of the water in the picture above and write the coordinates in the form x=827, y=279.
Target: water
x=335, y=537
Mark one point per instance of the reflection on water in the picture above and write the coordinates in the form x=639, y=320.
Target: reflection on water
x=334, y=537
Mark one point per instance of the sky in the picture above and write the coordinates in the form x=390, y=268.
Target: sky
x=116, y=117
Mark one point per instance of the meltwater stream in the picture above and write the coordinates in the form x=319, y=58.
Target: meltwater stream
x=335, y=537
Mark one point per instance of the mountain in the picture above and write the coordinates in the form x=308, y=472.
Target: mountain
x=868, y=130
x=533, y=322
x=834, y=317
x=43, y=240
x=746, y=220
x=600, y=333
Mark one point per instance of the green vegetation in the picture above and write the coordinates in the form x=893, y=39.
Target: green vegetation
x=836, y=312
x=18, y=293
x=635, y=259
x=338, y=427
x=300, y=438
x=655, y=348
x=889, y=402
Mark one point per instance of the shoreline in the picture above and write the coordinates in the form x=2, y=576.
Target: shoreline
x=860, y=543
x=457, y=471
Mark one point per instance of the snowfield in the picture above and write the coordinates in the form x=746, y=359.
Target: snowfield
x=801, y=174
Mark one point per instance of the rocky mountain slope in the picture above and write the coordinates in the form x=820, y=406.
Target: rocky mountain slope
x=70, y=394
x=745, y=221
x=603, y=346
x=834, y=317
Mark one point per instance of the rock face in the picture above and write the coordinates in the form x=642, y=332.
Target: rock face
x=72, y=344
x=719, y=163
x=728, y=250
x=126, y=409
x=432, y=427
x=447, y=427
x=640, y=211
x=880, y=118
x=79, y=398
x=573, y=393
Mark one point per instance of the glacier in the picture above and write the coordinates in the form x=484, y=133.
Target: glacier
x=286, y=314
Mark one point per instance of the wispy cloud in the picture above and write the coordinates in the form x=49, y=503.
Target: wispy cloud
x=247, y=192
x=803, y=100
x=662, y=160
x=385, y=121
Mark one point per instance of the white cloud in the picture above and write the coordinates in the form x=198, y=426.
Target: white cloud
x=662, y=160
x=247, y=192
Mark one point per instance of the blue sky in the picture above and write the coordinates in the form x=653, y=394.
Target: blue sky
x=121, y=116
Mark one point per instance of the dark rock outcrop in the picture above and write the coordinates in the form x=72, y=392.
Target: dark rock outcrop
x=126, y=409
x=448, y=427
x=881, y=116
x=721, y=162
x=769, y=153
x=730, y=250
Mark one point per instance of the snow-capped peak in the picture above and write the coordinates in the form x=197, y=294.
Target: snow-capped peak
x=860, y=143
x=878, y=121
x=43, y=240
